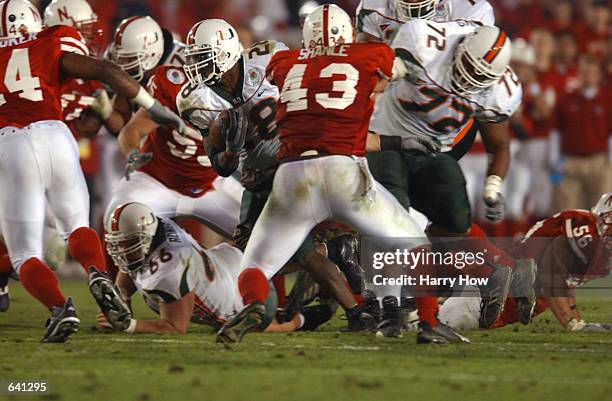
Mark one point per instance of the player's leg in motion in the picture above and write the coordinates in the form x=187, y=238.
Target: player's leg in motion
x=69, y=200
x=6, y=269
x=24, y=164
x=293, y=208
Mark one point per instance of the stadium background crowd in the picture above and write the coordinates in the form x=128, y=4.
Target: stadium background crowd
x=562, y=147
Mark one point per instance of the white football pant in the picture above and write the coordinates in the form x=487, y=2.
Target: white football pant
x=39, y=166
x=218, y=208
x=308, y=192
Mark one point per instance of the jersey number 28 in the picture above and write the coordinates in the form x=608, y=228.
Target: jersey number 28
x=296, y=97
x=18, y=77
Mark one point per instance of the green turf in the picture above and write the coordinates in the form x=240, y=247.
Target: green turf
x=537, y=362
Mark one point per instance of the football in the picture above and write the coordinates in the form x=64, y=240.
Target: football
x=214, y=131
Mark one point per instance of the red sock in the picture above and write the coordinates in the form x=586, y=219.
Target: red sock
x=5, y=265
x=428, y=309
x=253, y=286
x=40, y=281
x=279, y=285
x=493, y=254
x=85, y=247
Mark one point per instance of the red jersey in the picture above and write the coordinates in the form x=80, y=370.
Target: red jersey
x=588, y=254
x=579, y=227
x=31, y=84
x=179, y=162
x=325, y=96
x=77, y=95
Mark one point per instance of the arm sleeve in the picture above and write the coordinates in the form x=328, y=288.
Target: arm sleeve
x=71, y=41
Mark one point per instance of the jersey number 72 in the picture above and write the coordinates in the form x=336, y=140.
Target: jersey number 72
x=18, y=77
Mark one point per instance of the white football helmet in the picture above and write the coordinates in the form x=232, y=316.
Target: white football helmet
x=138, y=46
x=326, y=26
x=480, y=60
x=19, y=18
x=129, y=234
x=415, y=9
x=603, y=213
x=213, y=48
x=76, y=13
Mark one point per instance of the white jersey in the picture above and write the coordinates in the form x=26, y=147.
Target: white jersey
x=257, y=95
x=179, y=265
x=422, y=103
x=379, y=17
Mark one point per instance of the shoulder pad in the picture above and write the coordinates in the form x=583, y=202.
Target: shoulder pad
x=70, y=38
x=501, y=101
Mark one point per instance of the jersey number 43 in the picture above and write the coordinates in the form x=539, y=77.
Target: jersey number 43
x=296, y=97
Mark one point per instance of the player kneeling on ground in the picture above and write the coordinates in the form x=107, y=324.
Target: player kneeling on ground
x=570, y=248
x=179, y=279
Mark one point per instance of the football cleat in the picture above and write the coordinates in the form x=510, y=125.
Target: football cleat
x=62, y=323
x=4, y=293
x=439, y=334
x=346, y=258
x=390, y=323
x=360, y=320
x=493, y=295
x=109, y=300
x=522, y=288
x=316, y=315
x=249, y=319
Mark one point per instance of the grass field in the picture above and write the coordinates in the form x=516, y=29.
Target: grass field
x=536, y=362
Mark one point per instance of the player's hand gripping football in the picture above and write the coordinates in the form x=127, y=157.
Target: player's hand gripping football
x=162, y=115
x=234, y=129
x=135, y=160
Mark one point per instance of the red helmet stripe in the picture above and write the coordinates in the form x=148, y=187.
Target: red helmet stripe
x=325, y=25
x=499, y=43
x=116, y=215
x=124, y=24
x=5, y=6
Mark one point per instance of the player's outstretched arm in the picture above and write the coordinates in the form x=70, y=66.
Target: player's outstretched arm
x=77, y=66
x=139, y=126
x=174, y=317
x=496, y=138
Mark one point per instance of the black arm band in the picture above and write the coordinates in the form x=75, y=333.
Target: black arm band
x=390, y=142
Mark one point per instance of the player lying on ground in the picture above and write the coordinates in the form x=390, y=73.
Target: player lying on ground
x=233, y=104
x=35, y=66
x=570, y=248
x=180, y=280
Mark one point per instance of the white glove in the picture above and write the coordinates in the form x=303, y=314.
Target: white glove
x=427, y=145
x=162, y=115
x=493, y=198
x=135, y=160
x=102, y=105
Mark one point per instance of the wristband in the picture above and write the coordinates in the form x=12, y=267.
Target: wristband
x=143, y=99
x=575, y=325
x=390, y=142
x=132, y=327
x=492, y=186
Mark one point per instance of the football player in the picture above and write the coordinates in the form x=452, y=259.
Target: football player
x=379, y=20
x=35, y=65
x=139, y=45
x=172, y=172
x=570, y=249
x=179, y=279
x=323, y=174
x=455, y=73
x=224, y=78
